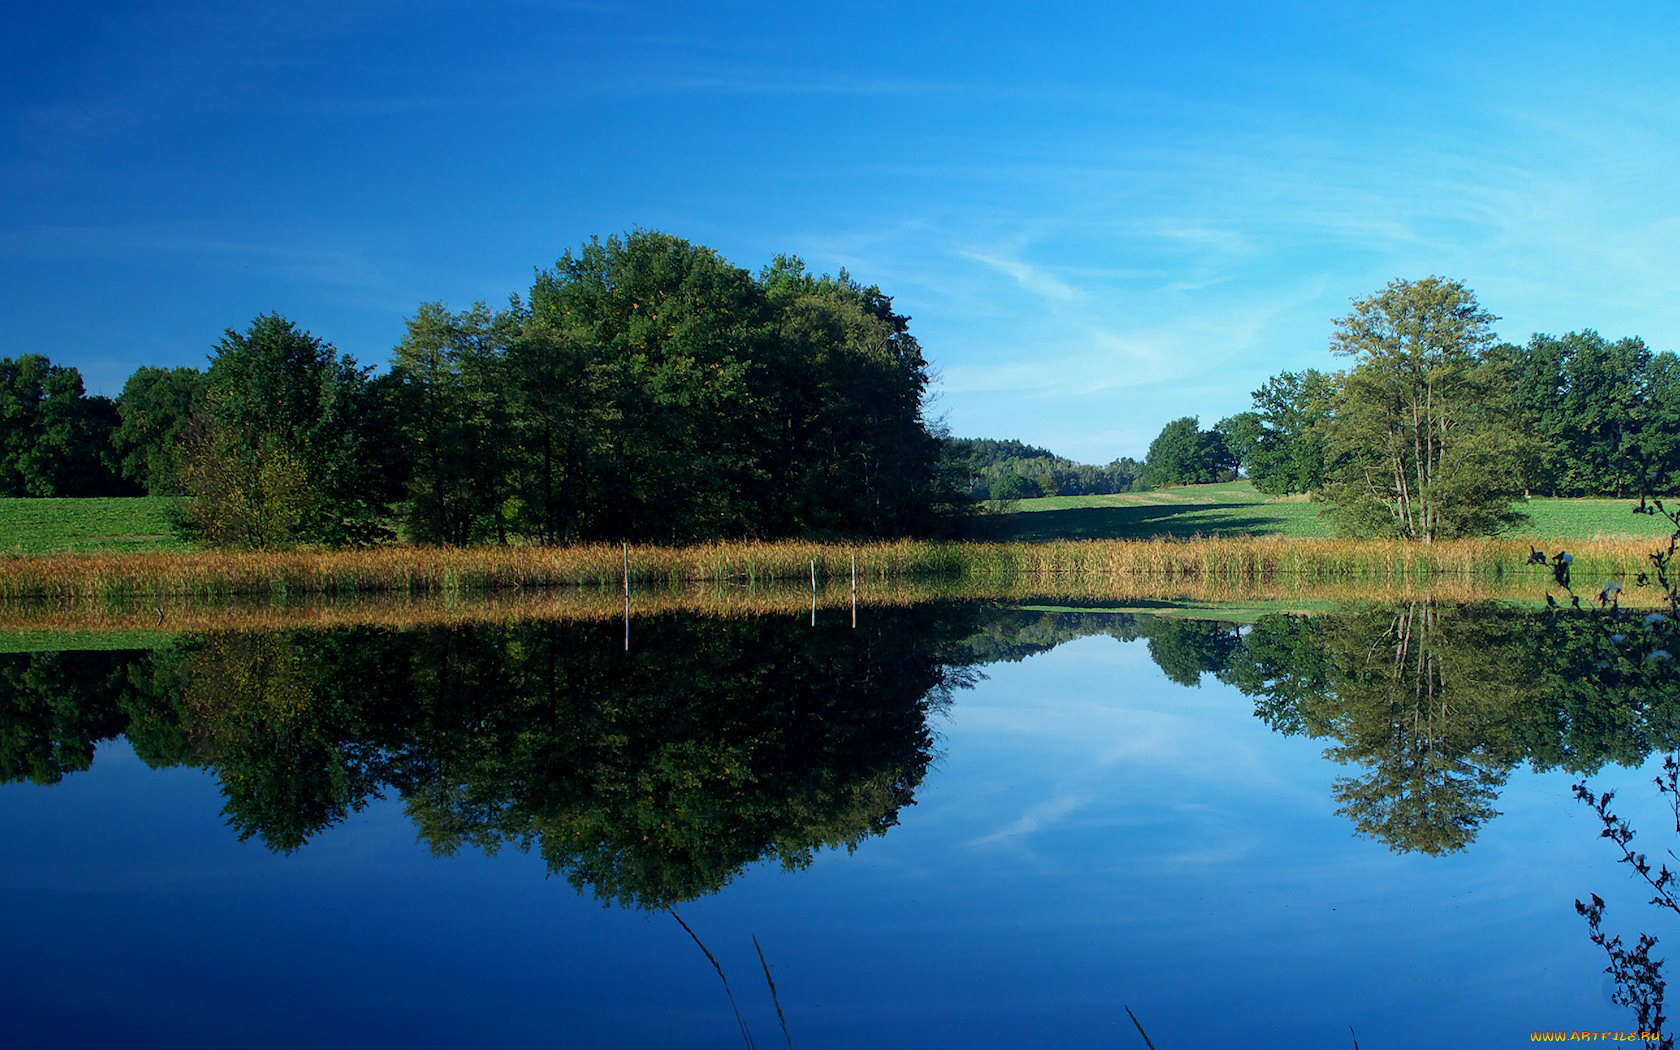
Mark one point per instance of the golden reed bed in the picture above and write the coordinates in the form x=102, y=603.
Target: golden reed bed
x=1099, y=564
x=730, y=599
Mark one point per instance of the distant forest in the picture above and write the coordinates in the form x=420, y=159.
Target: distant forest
x=1002, y=470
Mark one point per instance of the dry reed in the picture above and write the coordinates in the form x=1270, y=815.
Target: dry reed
x=733, y=599
x=420, y=571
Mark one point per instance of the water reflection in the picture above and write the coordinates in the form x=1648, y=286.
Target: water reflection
x=1435, y=705
x=647, y=778
x=655, y=777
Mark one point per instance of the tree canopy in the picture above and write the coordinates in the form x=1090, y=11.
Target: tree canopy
x=1185, y=454
x=54, y=439
x=284, y=446
x=1417, y=447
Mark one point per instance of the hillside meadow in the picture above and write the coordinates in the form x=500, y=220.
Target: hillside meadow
x=1237, y=509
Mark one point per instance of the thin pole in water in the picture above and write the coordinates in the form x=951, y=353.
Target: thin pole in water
x=813, y=592
x=854, y=592
x=626, y=597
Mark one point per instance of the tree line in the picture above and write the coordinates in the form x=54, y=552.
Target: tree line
x=1003, y=470
x=643, y=389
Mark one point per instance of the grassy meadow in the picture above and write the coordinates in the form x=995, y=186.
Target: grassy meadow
x=1231, y=509
x=1236, y=509
x=112, y=524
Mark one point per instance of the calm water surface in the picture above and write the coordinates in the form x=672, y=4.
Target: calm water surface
x=952, y=826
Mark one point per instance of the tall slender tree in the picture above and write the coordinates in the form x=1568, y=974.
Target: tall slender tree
x=1417, y=445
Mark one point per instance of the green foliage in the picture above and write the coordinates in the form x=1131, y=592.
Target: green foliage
x=1417, y=446
x=1184, y=454
x=649, y=390
x=1288, y=452
x=155, y=407
x=285, y=445
x=1242, y=434
x=1009, y=488
x=1597, y=418
x=451, y=397
x=54, y=439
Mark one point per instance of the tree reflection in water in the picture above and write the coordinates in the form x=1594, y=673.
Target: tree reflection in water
x=648, y=779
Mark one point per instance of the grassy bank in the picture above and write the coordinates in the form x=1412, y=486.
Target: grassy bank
x=202, y=575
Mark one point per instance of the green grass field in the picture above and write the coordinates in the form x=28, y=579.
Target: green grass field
x=1236, y=509
x=56, y=526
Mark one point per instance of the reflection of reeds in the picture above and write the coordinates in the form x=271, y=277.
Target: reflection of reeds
x=1100, y=564
x=771, y=981
x=118, y=613
x=1146, y=1039
x=746, y=1035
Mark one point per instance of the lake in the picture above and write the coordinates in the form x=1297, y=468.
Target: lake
x=954, y=824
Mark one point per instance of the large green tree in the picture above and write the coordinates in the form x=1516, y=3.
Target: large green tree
x=851, y=449
x=681, y=341
x=647, y=389
x=287, y=446
x=1417, y=445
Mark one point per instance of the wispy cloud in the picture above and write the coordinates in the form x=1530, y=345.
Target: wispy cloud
x=1034, y=279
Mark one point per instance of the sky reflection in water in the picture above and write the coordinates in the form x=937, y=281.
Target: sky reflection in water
x=1089, y=834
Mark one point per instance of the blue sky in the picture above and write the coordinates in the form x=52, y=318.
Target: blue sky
x=1099, y=216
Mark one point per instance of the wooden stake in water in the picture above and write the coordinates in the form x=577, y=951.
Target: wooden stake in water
x=626, y=597
x=854, y=592
x=813, y=592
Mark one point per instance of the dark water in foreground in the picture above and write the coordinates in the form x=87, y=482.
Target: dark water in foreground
x=951, y=826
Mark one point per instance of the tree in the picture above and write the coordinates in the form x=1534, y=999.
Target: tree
x=453, y=407
x=1604, y=393
x=1242, y=434
x=1288, y=453
x=1417, y=446
x=852, y=381
x=1659, y=432
x=682, y=343
x=1184, y=454
x=54, y=439
x=154, y=408
x=286, y=445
